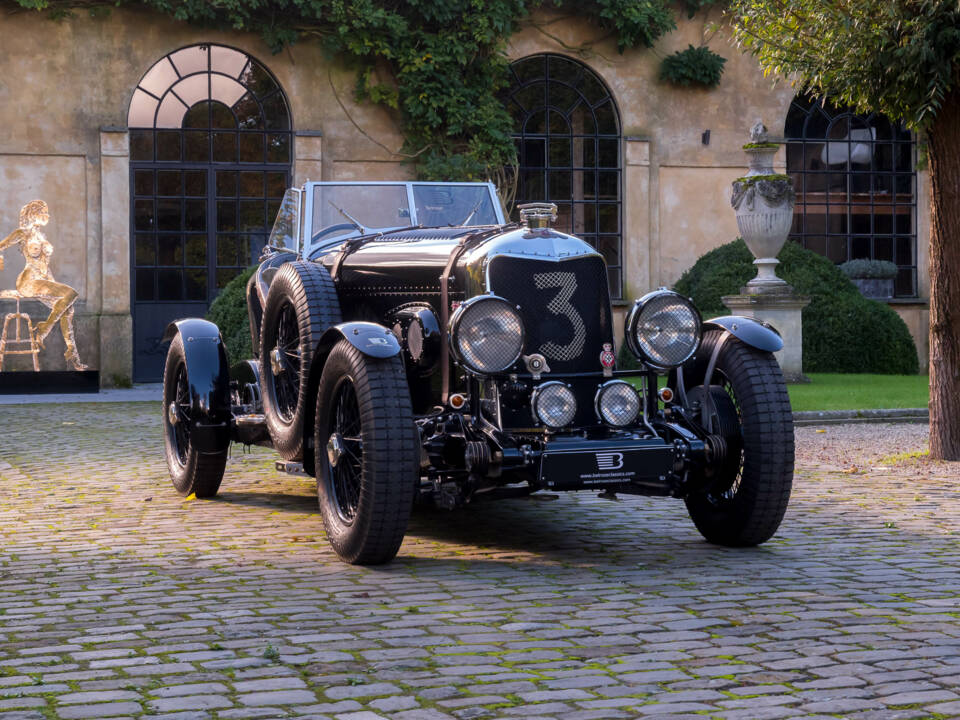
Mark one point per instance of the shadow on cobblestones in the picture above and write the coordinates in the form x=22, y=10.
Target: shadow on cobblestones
x=118, y=598
x=280, y=501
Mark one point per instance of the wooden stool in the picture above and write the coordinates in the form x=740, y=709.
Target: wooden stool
x=19, y=345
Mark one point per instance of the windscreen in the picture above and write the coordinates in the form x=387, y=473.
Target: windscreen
x=284, y=232
x=439, y=205
x=342, y=210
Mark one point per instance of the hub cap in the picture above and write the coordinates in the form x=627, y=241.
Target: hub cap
x=335, y=449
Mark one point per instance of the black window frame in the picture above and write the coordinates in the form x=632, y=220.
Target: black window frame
x=860, y=209
x=146, y=155
x=585, y=81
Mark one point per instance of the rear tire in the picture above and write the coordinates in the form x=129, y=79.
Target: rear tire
x=367, y=454
x=191, y=472
x=744, y=501
x=301, y=304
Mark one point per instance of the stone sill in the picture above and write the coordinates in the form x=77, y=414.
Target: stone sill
x=906, y=301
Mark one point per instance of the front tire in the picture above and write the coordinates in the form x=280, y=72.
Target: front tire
x=366, y=454
x=744, y=501
x=191, y=471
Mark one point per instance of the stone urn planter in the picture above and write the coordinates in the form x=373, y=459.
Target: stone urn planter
x=874, y=278
x=763, y=201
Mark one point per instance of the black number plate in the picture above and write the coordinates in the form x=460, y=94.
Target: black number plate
x=589, y=464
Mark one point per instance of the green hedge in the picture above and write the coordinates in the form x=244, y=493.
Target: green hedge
x=229, y=313
x=842, y=330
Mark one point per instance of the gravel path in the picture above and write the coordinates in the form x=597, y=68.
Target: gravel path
x=875, y=446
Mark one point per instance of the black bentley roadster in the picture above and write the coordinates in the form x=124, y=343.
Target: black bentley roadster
x=410, y=345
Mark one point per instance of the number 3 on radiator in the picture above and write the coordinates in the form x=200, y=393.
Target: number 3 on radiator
x=566, y=283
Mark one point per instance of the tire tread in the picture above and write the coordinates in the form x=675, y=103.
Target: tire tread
x=390, y=458
x=767, y=418
x=313, y=295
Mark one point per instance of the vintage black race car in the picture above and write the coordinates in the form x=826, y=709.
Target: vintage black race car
x=413, y=346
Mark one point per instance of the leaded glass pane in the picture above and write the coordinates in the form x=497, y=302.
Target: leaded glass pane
x=566, y=126
x=854, y=179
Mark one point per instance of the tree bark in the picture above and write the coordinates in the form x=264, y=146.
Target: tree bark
x=944, y=155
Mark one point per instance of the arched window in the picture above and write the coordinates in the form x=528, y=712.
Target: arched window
x=210, y=159
x=856, y=186
x=567, y=131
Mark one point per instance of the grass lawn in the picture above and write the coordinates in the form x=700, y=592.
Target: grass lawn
x=830, y=391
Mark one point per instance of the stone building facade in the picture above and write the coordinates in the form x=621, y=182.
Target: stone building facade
x=160, y=149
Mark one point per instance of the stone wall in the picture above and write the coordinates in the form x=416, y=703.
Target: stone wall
x=65, y=88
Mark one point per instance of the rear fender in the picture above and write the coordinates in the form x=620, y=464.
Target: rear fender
x=754, y=333
x=209, y=377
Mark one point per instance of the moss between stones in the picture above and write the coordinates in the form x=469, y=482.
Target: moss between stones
x=751, y=179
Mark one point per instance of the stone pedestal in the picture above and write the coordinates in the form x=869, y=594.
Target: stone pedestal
x=782, y=310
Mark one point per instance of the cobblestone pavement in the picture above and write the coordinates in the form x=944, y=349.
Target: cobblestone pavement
x=118, y=598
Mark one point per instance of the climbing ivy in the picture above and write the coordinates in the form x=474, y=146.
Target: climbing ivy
x=438, y=64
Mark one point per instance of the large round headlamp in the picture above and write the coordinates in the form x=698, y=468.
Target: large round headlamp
x=617, y=403
x=554, y=404
x=486, y=334
x=663, y=329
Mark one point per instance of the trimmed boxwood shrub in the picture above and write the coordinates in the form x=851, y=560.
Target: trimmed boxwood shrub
x=869, y=269
x=843, y=331
x=626, y=360
x=229, y=313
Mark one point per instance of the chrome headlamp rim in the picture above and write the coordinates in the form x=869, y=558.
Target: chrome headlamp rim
x=599, y=395
x=633, y=317
x=538, y=391
x=454, y=327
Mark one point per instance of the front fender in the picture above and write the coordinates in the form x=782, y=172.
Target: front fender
x=369, y=338
x=209, y=377
x=760, y=335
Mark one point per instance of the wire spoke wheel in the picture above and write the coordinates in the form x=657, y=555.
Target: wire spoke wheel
x=300, y=306
x=345, y=451
x=180, y=414
x=367, y=454
x=287, y=380
x=727, y=421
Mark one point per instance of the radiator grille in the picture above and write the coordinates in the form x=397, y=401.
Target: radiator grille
x=565, y=307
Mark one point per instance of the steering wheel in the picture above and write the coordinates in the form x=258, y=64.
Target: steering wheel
x=332, y=229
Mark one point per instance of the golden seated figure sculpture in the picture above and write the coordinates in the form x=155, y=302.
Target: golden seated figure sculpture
x=36, y=281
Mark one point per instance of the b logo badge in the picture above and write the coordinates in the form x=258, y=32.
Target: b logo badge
x=609, y=461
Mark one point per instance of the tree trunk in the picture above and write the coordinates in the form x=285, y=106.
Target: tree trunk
x=944, y=153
